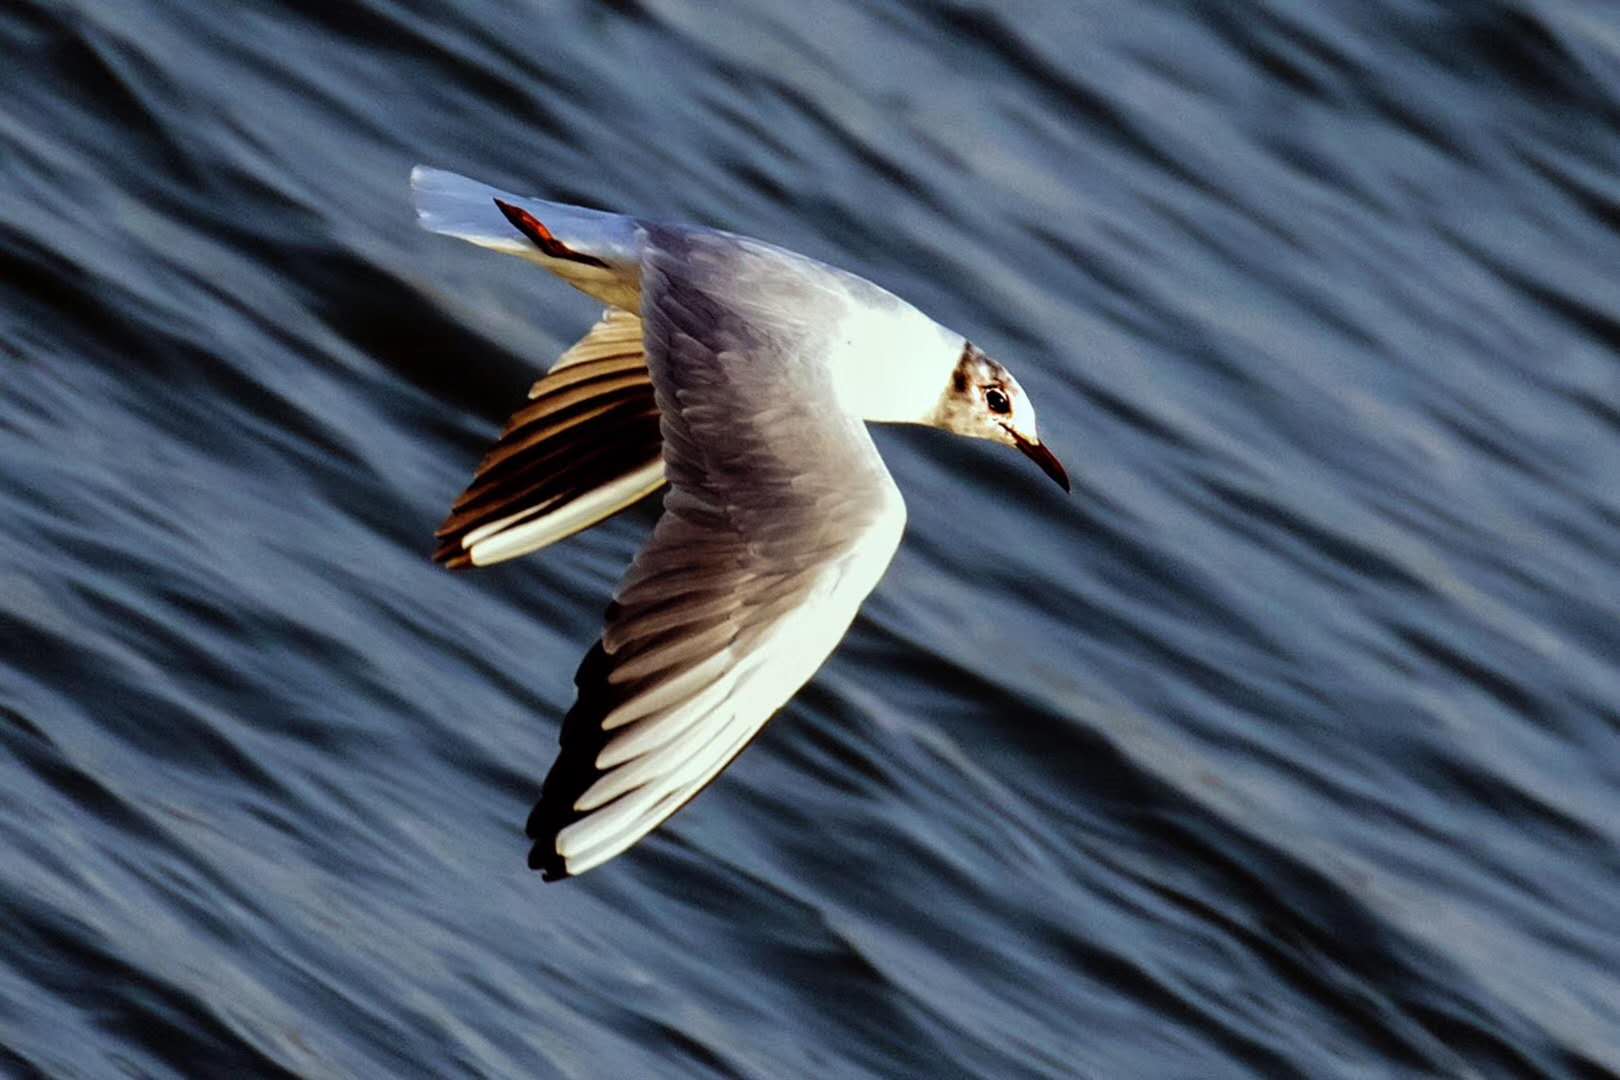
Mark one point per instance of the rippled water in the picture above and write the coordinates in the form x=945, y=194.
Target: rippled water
x=1288, y=746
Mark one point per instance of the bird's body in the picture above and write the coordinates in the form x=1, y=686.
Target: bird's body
x=743, y=375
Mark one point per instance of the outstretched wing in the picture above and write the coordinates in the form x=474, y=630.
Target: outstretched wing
x=780, y=519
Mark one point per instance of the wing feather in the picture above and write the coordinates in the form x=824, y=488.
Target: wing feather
x=586, y=446
x=779, y=521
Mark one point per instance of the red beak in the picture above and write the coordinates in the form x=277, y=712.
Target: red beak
x=1040, y=455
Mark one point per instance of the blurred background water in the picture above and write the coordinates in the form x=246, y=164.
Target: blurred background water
x=1288, y=746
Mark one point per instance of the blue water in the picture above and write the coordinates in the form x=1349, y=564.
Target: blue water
x=1288, y=746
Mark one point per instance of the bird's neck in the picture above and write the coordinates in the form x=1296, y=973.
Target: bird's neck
x=894, y=366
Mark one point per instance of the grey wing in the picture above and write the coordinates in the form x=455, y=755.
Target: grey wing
x=780, y=519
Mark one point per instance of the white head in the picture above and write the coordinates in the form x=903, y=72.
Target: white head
x=979, y=399
x=983, y=401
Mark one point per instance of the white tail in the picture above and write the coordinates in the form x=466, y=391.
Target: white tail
x=596, y=252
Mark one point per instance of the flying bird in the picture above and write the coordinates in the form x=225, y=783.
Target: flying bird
x=743, y=376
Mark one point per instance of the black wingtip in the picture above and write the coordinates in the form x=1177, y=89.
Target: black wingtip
x=545, y=859
x=582, y=740
x=542, y=829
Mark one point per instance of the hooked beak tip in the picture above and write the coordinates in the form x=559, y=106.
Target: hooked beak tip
x=1040, y=455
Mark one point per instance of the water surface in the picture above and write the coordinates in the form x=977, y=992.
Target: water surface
x=1287, y=746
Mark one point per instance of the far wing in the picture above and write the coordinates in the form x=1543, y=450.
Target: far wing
x=780, y=520
x=585, y=447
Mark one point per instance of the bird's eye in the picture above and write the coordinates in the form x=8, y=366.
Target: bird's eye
x=996, y=401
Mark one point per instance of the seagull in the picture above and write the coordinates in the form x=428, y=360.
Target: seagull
x=743, y=376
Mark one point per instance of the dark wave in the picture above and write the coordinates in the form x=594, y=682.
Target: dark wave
x=1286, y=747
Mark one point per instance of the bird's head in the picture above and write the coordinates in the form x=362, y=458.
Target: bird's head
x=983, y=401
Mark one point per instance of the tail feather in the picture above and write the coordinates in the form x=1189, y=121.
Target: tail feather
x=596, y=252
x=456, y=206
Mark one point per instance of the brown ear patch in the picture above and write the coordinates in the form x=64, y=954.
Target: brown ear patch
x=527, y=224
x=973, y=366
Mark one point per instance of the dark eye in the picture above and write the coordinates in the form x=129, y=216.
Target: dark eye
x=996, y=401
